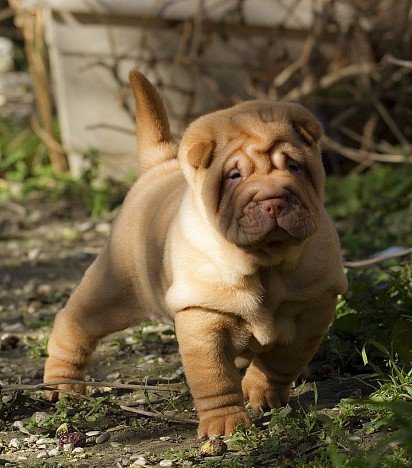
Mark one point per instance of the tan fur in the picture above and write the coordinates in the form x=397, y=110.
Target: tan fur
x=167, y=260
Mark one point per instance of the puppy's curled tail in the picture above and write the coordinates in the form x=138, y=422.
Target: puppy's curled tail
x=154, y=140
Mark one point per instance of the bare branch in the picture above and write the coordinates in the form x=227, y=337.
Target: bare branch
x=50, y=386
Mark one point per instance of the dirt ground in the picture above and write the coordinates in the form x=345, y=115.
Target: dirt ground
x=44, y=250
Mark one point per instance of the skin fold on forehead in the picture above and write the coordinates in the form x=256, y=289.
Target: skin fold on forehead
x=260, y=122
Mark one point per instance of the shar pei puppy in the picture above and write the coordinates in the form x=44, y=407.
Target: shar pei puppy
x=227, y=236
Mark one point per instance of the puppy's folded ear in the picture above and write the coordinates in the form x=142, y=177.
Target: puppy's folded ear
x=309, y=130
x=200, y=155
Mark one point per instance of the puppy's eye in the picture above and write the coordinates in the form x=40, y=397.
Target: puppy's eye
x=293, y=166
x=234, y=175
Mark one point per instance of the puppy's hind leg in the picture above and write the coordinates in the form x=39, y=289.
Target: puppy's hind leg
x=102, y=304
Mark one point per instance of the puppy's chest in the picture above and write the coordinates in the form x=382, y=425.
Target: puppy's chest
x=281, y=289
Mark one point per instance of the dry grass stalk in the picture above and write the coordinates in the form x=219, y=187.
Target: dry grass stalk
x=31, y=22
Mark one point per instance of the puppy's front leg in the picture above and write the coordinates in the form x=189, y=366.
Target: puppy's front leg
x=208, y=359
x=269, y=377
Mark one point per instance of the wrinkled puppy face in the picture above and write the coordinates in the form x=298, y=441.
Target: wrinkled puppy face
x=258, y=170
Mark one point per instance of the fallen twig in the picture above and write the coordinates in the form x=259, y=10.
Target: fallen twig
x=402, y=63
x=150, y=414
x=372, y=261
x=50, y=385
x=332, y=78
x=360, y=155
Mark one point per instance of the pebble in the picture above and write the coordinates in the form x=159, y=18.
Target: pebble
x=41, y=416
x=33, y=254
x=85, y=226
x=115, y=444
x=14, y=327
x=102, y=438
x=136, y=456
x=166, y=463
x=15, y=443
x=44, y=289
x=78, y=450
x=213, y=448
x=92, y=433
x=68, y=447
x=102, y=228
x=53, y=452
x=19, y=425
x=32, y=439
x=42, y=454
x=113, y=376
x=140, y=462
x=165, y=438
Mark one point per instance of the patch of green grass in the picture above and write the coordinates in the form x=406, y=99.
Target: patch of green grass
x=37, y=347
x=21, y=151
x=77, y=412
x=377, y=305
x=373, y=210
x=25, y=172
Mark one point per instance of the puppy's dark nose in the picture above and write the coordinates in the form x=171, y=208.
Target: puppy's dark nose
x=273, y=207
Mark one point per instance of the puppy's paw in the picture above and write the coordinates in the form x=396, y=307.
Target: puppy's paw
x=224, y=425
x=263, y=394
x=63, y=390
x=59, y=371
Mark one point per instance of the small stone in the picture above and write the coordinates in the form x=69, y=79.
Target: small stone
x=15, y=443
x=213, y=448
x=41, y=446
x=44, y=289
x=92, y=433
x=135, y=456
x=21, y=457
x=85, y=226
x=140, y=462
x=33, y=254
x=102, y=228
x=78, y=450
x=72, y=235
x=67, y=447
x=19, y=425
x=32, y=439
x=102, y=438
x=113, y=376
x=40, y=416
x=42, y=454
x=164, y=438
x=115, y=444
x=166, y=463
x=53, y=452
